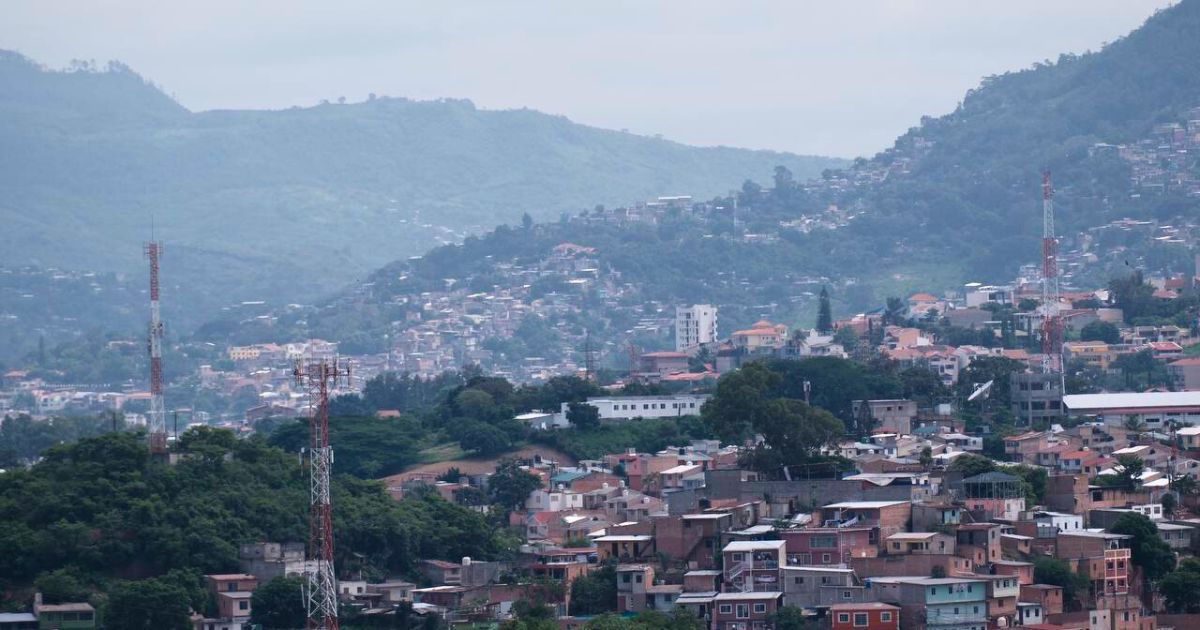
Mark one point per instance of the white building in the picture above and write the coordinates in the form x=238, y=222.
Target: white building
x=695, y=325
x=619, y=408
x=1153, y=409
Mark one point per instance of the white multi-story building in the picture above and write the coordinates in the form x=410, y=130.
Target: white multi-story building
x=695, y=325
x=619, y=408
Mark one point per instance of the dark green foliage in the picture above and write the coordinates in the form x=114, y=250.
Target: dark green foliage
x=101, y=508
x=970, y=465
x=151, y=604
x=824, y=312
x=1059, y=573
x=23, y=439
x=279, y=604
x=61, y=586
x=793, y=618
x=1100, y=330
x=1147, y=548
x=364, y=446
x=1181, y=588
x=754, y=399
x=678, y=619
x=647, y=436
x=583, y=416
x=596, y=592
x=511, y=485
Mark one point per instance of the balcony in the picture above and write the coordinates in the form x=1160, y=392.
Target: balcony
x=938, y=618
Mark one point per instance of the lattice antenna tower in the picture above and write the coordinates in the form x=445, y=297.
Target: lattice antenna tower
x=158, y=413
x=1051, y=323
x=320, y=590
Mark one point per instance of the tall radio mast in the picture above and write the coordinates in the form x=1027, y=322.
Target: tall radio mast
x=320, y=591
x=1051, y=324
x=158, y=414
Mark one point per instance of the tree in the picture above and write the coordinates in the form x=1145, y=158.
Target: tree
x=596, y=592
x=1181, y=588
x=1169, y=504
x=893, y=311
x=60, y=586
x=483, y=438
x=792, y=618
x=1058, y=573
x=526, y=221
x=1147, y=549
x=1129, y=473
x=1100, y=330
x=279, y=604
x=926, y=458
x=510, y=486
x=583, y=416
x=151, y=604
x=824, y=313
x=970, y=465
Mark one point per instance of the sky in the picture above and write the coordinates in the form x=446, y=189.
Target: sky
x=829, y=78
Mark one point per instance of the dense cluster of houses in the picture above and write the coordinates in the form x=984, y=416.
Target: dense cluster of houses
x=904, y=542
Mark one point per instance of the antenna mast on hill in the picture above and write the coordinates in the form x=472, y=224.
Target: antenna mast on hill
x=1051, y=324
x=158, y=413
x=320, y=591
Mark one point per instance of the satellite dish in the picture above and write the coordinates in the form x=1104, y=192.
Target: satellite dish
x=982, y=390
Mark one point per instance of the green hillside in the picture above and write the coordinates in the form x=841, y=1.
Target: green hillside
x=286, y=204
x=957, y=198
x=971, y=195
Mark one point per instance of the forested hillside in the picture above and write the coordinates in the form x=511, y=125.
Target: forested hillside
x=285, y=204
x=967, y=186
x=957, y=198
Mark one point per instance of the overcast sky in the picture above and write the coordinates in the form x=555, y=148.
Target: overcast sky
x=828, y=77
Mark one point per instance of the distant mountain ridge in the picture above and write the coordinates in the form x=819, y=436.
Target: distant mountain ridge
x=956, y=199
x=290, y=203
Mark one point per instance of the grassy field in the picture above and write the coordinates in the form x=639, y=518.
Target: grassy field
x=452, y=457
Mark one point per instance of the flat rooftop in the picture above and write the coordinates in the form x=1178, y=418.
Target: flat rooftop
x=1131, y=400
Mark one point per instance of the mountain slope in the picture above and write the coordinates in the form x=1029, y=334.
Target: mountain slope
x=969, y=188
x=957, y=198
x=265, y=204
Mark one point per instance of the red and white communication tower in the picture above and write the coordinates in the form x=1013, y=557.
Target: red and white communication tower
x=320, y=591
x=1051, y=322
x=158, y=413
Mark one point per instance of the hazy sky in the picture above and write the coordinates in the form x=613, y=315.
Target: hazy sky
x=829, y=77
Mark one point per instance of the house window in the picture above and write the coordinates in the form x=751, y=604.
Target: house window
x=799, y=580
x=824, y=558
x=737, y=557
x=860, y=620
x=885, y=616
x=625, y=577
x=760, y=608
x=743, y=611
x=846, y=595
x=843, y=617
x=725, y=609
x=638, y=578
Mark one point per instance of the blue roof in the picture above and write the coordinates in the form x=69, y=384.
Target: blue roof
x=567, y=476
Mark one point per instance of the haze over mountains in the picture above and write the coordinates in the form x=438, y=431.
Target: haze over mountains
x=288, y=204
x=957, y=198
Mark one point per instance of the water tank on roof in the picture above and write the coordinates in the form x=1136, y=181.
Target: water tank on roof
x=466, y=561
